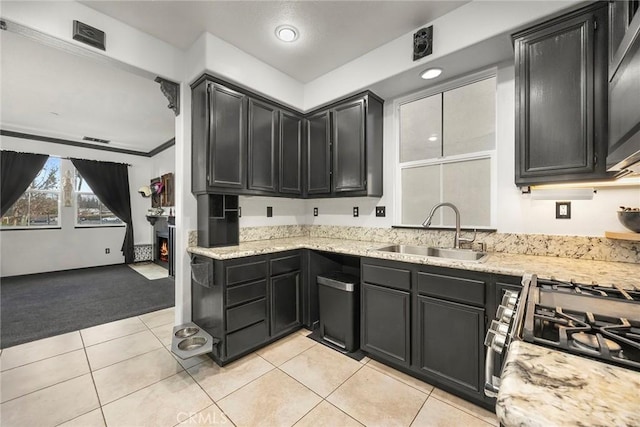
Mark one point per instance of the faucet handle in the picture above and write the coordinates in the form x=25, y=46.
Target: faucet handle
x=463, y=240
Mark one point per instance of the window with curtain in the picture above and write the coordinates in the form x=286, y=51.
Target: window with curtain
x=446, y=153
x=39, y=206
x=90, y=211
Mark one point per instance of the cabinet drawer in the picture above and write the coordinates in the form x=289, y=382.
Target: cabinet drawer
x=241, y=293
x=247, y=338
x=387, y=276
x=285, y=264
x=246, y=272
x=239, y=317
x=452, y=288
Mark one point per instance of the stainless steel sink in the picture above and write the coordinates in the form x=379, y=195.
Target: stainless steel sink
x=455, y=254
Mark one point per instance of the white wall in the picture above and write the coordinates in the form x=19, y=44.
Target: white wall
x=35, y=251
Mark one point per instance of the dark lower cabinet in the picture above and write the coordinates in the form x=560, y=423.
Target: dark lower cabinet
x=561, y=98
x=449, y=340
x=285, y=302
x=246, y=302
x=385, y=323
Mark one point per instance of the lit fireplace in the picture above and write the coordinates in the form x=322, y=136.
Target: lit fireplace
x=164, y=250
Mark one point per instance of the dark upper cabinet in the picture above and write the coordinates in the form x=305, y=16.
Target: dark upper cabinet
x=218, y=138
x=263, y=146
x=290, y=154
x=243, y=143
x=349, y=147
x=227, y=137
x=561, y=98
x=344, y=148
x=318, y=154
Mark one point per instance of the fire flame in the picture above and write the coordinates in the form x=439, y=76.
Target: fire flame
x=164, y=252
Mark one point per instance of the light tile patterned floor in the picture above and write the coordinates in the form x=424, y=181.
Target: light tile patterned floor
x=123, y=374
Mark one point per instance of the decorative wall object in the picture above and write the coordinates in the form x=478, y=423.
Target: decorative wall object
x=155, y=197
x=143, y=253
x=172, y=91
x=67, y=188
x=167, y=198
x=423, y=43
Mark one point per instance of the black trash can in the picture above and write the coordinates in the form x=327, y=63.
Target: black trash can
x=339, y=304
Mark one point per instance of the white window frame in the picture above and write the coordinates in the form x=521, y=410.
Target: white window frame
x=30, y=191
x=487, y=154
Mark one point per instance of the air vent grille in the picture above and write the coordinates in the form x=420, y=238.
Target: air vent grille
x=91, y=139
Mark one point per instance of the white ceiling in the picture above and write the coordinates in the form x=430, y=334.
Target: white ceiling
x=49, y=92
x=332, y=33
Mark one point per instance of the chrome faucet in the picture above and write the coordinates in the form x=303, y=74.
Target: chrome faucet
x=456, y=239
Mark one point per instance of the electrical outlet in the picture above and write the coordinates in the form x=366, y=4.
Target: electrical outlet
x=356, y=211
x=107, y=251
x=380, y=211
x=563, y=210
x=269, y=211
x=315, y=211
x=239, y=211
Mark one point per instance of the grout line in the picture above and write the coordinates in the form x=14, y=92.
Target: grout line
x=114, y=338
x=140, y=389
x=413, y=420
x=95, y=388
x=124, y=360
x=463, y=409
x=44, y=388
x=207, y=394
x=400, y=372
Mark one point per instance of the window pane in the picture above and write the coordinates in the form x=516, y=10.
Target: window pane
x=18, y=214
x=468, y=186
x=421, y=129
x=107, y=217
x=49, y=176
x=88, y=209
x=81, y=185
x=469, y=118
x=420, y=192
x=43, y=208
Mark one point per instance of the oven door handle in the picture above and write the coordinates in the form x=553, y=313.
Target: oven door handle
x=491, y=382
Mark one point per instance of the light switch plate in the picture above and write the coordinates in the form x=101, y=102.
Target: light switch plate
x=315, y=211
x=269, y=211
x=563, y=210
x=380, y=211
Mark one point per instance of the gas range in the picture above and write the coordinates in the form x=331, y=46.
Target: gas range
x=601, y=322
x=595, y=321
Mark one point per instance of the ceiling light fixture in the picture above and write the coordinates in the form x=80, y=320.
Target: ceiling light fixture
x=431, y=73
x=287, y=33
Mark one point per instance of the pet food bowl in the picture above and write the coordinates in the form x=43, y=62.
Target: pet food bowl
x=186, y=332
x=192, y=343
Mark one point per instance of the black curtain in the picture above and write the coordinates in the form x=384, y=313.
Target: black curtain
x=17, y=172
x=110, y=182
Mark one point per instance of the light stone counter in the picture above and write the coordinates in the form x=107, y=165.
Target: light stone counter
x=584, y=271
x=544, y=387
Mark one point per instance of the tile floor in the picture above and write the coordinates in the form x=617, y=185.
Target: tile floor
x=123, y=374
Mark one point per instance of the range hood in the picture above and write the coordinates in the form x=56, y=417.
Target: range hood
x=624, y=101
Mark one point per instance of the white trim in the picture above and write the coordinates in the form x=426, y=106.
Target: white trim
x=485, y=154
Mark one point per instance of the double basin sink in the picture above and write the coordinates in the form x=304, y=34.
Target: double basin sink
x=444, y=253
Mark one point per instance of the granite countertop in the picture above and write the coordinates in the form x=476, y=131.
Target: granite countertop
x=545, y=387
x=585, y=271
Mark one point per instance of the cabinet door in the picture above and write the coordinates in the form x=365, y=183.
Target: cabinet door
x=561, y=100
x=349, y=147
x=450, y=342
x=227, y=137
x=385, y=320
x=263, y=141
x=285, y=302
x=290, y=154
x=318, y=154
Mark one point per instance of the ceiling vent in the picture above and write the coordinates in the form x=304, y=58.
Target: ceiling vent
x=90, y=139
x=89, y=35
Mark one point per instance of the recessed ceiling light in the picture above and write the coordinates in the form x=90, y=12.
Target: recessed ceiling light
x=433, y=138
x=287, y=33
x=431, y=73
